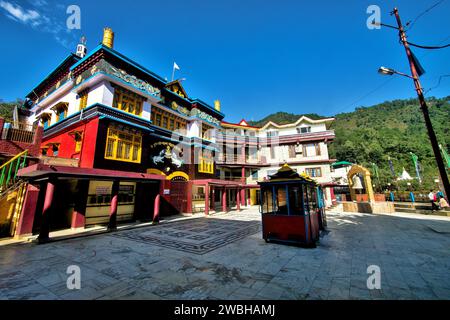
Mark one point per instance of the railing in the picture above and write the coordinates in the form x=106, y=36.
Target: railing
x=235, y=159
x=235, y=179
x=19, y=132
x=8, y=175
x=57, y=161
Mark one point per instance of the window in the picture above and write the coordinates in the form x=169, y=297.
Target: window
x=304, y=130
x=44, y=151
x=272, y=134
x=314, y=172
x=55, y=149
x=127, y=101
x=317, y=149
x=78, y=141
x=46, y=120
x=206, y=132
x=123, y=146
x=167, y=120
x=206, y=165
x=272, y=152
x=292, y=153
x=83, y=99
x=61, y=110
x=311, y=150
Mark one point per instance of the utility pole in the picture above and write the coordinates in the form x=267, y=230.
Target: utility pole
x=424, y=107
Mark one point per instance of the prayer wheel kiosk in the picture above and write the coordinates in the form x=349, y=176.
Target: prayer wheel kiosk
x=292, y=208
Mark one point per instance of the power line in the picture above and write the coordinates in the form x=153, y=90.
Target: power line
x=428, y=47
x=411, y=24
x=365, y=95
x=439, y=83
x=390, y=79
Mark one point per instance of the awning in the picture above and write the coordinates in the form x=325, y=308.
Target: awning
x=41, y=171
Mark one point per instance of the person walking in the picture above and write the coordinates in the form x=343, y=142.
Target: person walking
x=432, y=197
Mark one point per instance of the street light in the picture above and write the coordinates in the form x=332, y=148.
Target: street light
x=386, y=71
x=416, y=72
x=389, y=72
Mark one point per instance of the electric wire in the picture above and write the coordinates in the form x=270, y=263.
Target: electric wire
x=411, y=24
x=428, y=47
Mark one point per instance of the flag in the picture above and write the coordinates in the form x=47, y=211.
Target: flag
x=175, y=66
x=420, y=70
x=415, y=160
x=391, y=165
x=446, y=156
x=375, y=170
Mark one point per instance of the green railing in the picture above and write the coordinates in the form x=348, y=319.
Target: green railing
x=8, y=175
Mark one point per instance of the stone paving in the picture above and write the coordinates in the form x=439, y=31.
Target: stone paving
x=413, y=254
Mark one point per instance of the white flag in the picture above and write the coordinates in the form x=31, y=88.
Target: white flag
x=175, y=66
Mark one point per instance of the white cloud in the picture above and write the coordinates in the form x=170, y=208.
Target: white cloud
x=17, y=13
x=37, y=17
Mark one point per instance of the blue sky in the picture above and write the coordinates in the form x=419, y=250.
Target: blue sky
x=257, y=57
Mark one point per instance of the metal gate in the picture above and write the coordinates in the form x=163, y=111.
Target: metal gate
x=178, y=194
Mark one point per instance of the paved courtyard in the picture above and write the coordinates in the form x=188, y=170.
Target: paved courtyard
x=224, y=257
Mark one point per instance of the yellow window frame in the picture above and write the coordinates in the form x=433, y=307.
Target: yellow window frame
x=206, y=165
x=128, y=101
x=123, y=146
x=83, y=100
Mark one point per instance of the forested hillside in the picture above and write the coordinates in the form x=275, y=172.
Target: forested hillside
x=390, y=129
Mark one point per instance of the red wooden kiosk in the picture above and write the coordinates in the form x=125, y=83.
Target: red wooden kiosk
x=292, y=208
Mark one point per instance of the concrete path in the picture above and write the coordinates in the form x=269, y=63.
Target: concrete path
x=224, y=257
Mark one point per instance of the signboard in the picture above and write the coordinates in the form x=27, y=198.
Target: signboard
x=166, y=192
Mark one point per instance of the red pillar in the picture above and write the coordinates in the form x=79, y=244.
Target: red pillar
x=207, y=199
x=213, y=197
x=224, y=200
x=189, y=198
x=26, y=219
x=46, y=211
x=156, y=208
x=112, y=225
x=333, y=197
x=79, y=212
x=238, y=200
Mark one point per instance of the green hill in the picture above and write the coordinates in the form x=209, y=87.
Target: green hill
x=390, y=129
x=282, y=118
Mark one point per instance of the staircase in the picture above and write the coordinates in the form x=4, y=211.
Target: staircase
x=12, y=193
x=419, y=208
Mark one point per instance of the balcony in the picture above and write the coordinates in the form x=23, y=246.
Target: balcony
x=57, y=161
x=240, y=160
x=18, y=132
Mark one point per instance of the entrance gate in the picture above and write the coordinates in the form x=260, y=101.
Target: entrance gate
x=178, y=194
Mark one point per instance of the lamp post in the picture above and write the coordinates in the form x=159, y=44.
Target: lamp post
x=423, y=105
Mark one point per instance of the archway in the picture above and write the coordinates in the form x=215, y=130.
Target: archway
x=365, y=173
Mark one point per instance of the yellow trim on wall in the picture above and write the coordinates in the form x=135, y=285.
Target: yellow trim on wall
x=155, y=171
x=178, y=174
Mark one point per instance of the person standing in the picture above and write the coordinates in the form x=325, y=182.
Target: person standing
x=432, y=197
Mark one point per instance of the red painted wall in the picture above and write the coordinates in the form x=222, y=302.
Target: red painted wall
x=67, y=143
